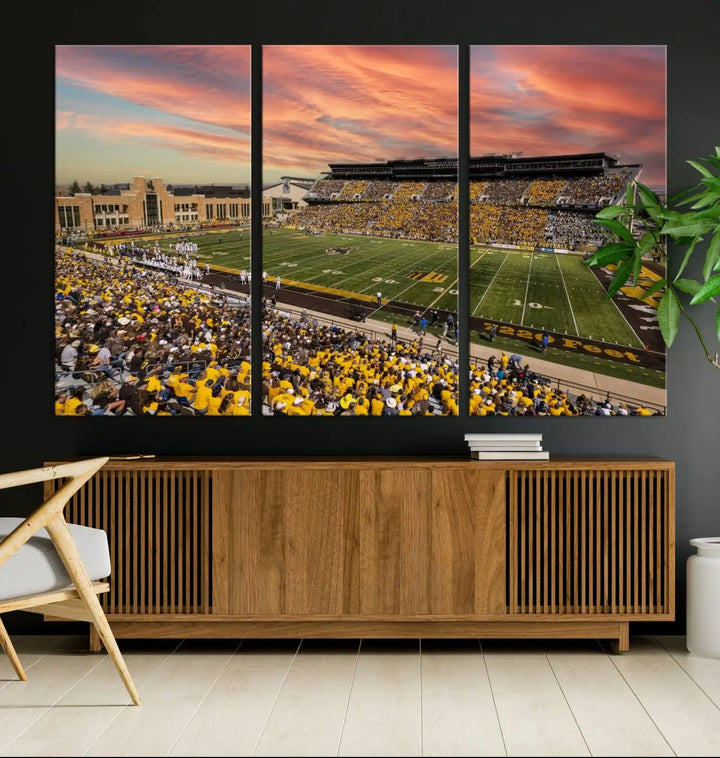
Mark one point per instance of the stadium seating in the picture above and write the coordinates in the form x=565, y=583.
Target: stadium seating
x=547, y=211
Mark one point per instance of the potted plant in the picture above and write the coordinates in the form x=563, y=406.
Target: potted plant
x=642, y=227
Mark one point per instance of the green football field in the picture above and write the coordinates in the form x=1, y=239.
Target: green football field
x=539, y=290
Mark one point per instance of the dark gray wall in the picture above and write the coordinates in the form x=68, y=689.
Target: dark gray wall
x=689, y=435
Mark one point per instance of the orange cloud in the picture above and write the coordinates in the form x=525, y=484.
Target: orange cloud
x=330, y=103
x=552, y=99
x=187, y=141
x=206, y=85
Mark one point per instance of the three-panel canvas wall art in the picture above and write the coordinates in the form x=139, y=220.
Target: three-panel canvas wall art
x=361, y=204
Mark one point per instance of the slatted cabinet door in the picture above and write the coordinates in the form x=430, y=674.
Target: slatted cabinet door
x=591, y=542
x=158, y=523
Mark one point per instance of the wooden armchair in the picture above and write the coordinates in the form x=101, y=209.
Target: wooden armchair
x=49, y=566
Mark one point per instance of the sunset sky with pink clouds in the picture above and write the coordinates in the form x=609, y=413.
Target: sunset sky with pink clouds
x=334, y=103
x=183, y=112
x=558, y=99
x=179, y=112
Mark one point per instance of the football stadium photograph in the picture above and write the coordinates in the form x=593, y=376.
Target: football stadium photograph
x=360, y=232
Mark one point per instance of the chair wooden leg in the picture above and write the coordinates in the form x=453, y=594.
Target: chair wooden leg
x=95, y=642
x=10, y=652
x=68, y=552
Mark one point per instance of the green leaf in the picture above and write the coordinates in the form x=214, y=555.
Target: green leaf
x=618, y=229
x=712, y=182
x=647, y=195
x=654, y=287
x=708, y=198
x=686, y=259
x=709, y=214
x=611, y=211
x=684, y=241
x=612, y=253
x=713, y=255
x=710, y=289
x=688, y=228
x=647, y=242
x=691, y=286
x=650, y=202
x=671, y=215
x=621, y=276
x=717, y=151
x=699, y=167
x=692, y=198
x=668, y=314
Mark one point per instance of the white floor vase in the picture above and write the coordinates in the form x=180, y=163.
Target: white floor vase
x=703, y=598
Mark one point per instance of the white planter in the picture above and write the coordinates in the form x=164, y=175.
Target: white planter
x=703, y=598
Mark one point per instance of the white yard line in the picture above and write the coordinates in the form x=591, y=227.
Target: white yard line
x=487, y=289
x=527, y=287
x=311, y=265
x=567, y=294
x=399, y=274
x=452, y=284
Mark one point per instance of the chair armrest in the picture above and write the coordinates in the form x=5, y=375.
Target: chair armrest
x=46, y=473
x=52, y=509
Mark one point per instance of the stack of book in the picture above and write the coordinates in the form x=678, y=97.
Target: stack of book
x=506, y=447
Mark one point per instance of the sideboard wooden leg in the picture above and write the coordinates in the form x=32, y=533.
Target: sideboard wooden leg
x=622, y=643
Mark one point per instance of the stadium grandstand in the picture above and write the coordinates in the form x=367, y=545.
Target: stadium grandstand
x=546, y=202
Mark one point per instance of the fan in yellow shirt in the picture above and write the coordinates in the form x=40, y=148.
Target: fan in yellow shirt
x=215, y=400
x=362, y=406
x=203, y=395
x=240, y=407
x=60, y=399
x=73, y=402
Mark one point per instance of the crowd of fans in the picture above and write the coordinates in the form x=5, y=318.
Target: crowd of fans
x=544, y=191
x=324, y=189
x=476, y=190
x=574, y=230
x=407, y=219
x=134, y=341
x=378, y=189
x=131, y=340
x=314, y=369
x=511, y=211
x=439, y=191
x=591, y=190
x=506, y=387
x=504, y=190
x=351, y=190
x=484, y=218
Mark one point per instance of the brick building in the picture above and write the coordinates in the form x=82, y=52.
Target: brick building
x=148, y=203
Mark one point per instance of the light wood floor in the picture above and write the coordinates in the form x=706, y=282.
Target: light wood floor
x=362, y=698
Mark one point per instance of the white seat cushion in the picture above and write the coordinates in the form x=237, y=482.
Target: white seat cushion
x=37, y=567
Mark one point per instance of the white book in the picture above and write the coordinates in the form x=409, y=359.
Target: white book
x=505, y=455
x=507, y=447
x=506, y=443
x=501, y=437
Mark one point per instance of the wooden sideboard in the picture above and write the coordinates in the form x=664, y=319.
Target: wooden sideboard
x=384, y=547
